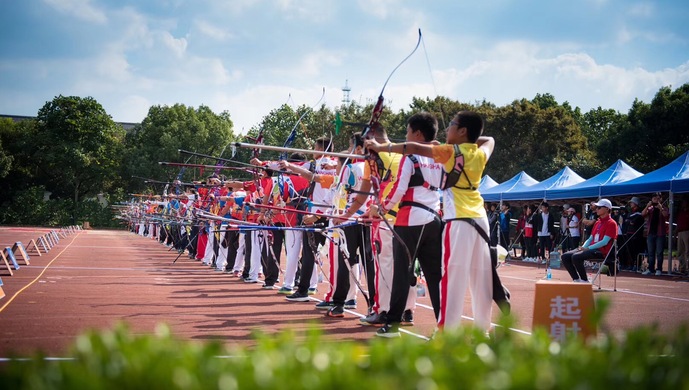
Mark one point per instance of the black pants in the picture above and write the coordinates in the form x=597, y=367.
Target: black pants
x=247, y=254
x=310, y=241
x=273, y=255
x=505, y=239
x=422, y=242
x=531, y=247
x=194, y=240
x=231, y=242
x=358, y=239
x=544, y=244
x=574, y=262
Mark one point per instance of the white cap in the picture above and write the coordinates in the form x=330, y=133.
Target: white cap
x=604, y=203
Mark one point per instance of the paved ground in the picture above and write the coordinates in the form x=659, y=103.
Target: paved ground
x=93, y=279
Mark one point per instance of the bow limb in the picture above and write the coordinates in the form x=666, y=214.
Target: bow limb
x=293, y=133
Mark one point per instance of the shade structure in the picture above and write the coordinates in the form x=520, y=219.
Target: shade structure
x=486, y=183
x=520, y=181
x=565, y=178
x=673, y=177
x=618, y=172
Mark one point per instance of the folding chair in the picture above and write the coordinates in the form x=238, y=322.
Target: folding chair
x=606, y=261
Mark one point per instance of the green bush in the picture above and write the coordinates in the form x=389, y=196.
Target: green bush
x=118, y=359
x=28, y=208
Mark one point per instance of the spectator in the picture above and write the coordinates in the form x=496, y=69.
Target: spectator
x=597, y=246
x=634, y=242
x=563, y=238
x=529, y=234
x=656, y=217
x=505, y=217
x=589, y=219
x=573, y=226
x=545, y=230
x=493, y=223
x=683, y=235
x=521, y=222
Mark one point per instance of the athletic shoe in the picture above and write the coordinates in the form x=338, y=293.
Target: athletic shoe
x=250, y=280
x=325, y=305
x=647, y=272
x=312, y=291
x=285, y=291
x=298, y=297
x=389, y=331
x=336, y=311
x=268, y=286
x=374, y=319
x=350, y=304
x=237, y=274
x=407, y=318
x=659, y=272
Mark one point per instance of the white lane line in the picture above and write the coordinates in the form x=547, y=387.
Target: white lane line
x=471, y=319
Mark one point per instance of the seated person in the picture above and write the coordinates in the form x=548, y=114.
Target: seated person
x=597, y=246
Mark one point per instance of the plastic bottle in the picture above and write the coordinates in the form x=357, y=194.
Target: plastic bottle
x=549, y=274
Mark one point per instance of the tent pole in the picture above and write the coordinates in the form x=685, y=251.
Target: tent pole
x=671, y=208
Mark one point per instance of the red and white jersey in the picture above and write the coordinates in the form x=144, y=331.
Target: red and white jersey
x=425, y=193
x=320, y=194
x=351, y=176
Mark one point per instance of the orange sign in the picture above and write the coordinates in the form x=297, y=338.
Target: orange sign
x=564, y=309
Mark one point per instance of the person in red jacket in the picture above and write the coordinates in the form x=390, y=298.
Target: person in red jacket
x=597, y=246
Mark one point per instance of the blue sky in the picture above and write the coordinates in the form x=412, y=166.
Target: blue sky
x=250, y=56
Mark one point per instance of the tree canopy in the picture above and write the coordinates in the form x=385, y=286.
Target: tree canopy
x=73, y=149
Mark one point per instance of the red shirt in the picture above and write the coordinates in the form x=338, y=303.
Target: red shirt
x=604, y=226
x=282, y=195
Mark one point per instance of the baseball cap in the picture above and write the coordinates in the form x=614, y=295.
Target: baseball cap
x=604, y=203
x=635, y=200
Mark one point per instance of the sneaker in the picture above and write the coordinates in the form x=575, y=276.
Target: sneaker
x=659, y=272
x=336, y=311
x=325, y=305
x=313, y=291
x=350, y=304
x=298, y=297
x=268, y=286
x=389, y=331
x=250, y=280
x=407, y=318
x=285, y=291
x=647, y=272
x=236, y=274
x=374, y=319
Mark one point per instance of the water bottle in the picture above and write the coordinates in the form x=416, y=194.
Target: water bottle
x=548, y=274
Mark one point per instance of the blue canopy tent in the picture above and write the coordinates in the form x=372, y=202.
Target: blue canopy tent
x=592, y=188
x=519, y=182
x=563, y=179
x=672, y=178
x=486, y=183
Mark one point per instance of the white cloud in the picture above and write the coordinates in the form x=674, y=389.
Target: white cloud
x=380, y=8
x=81, y=9
x=315, y=11
x=178, y=46
x=214, y=32
x=643, y=10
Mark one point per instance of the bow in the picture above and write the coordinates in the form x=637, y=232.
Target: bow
x=373, y=159
x=293, y=133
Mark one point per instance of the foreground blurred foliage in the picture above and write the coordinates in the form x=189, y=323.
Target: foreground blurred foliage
x=119, y=359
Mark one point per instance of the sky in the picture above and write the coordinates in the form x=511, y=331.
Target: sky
x=248, y=57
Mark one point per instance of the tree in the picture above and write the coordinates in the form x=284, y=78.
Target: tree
x=165, y=131
x=536, y=140
x=76, y=147
x=652, y=134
